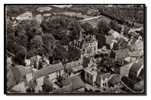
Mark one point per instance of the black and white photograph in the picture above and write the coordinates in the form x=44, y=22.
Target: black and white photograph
x=75, y=49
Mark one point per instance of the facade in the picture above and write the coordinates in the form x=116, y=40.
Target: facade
x=52, y=70
x=90, y=75
x=34, y=61
x=102, y=80
x=90, y=46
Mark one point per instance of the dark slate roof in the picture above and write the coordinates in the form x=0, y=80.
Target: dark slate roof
x=77, y=83
x=134, y=69
x=48, y=70
x=115, y=79
x=74, y=83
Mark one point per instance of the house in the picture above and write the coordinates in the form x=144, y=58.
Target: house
x=90, y=46
x=90, y=75
x=16, y=77
x=25, y=16
x=52, y=70
x=102, y=80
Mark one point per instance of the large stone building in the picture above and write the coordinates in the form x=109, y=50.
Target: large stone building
x=90, y=46
x=90, y=75
x=75, y=66
x=102, y=80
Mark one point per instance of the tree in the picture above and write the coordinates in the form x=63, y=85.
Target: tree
x=29, y=28
x=65, y=40
x=73, y=53
x=74, y=28
x=61, y=27
x=102, y=30
x=60, y=52
x=47, y=85
x=22, y=40
x=103, y=27
x=20, y=54
x=36, y=46
x=9, y=26
x=101, y=40
x=106, y=64
x=86, y=62
x=55, y=25
x=88, y=29
x=36, y=42
x=49, y=44
x=114, y=25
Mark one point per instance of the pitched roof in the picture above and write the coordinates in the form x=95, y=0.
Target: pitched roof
x=74, y=83
x=48, y=70
x=77, y=83
x=135, y=69
x=64, y=89
x=124, y=70
x=115, y=78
